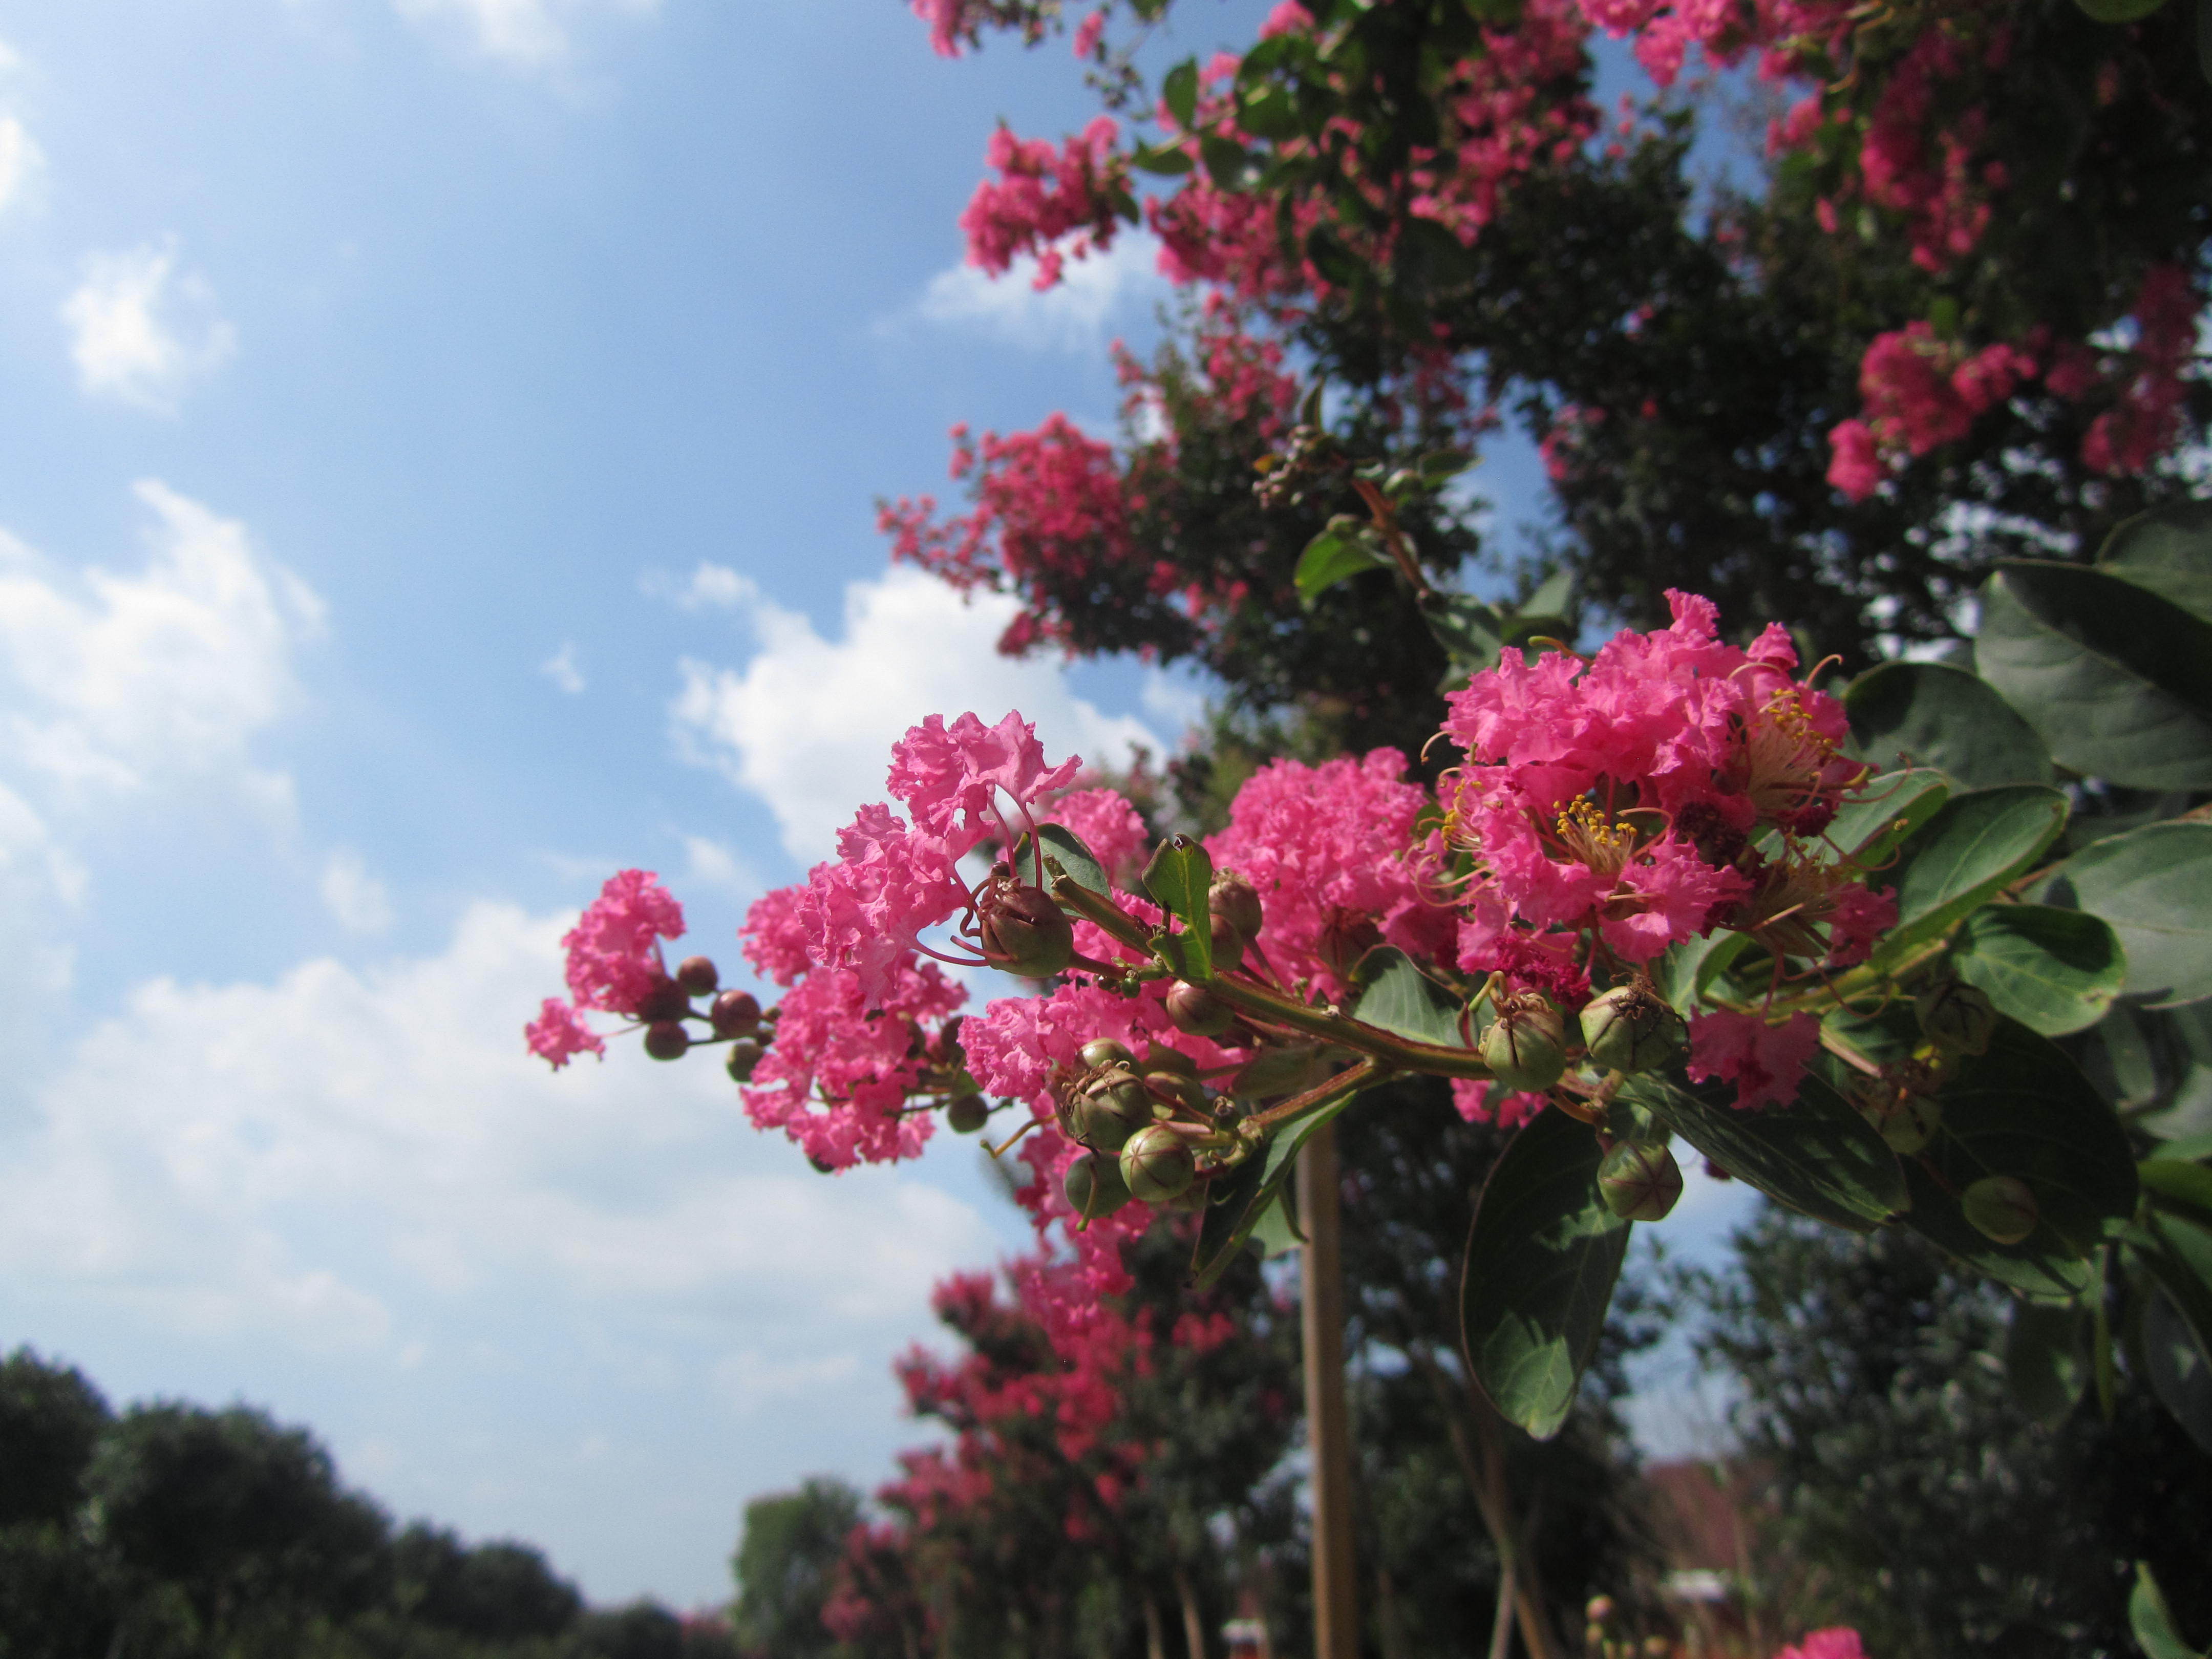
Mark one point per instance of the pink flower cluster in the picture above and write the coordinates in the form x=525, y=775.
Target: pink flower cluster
x=1837, y=1642
x=1050, y=504
x=1921, y=392
x=614, y=963
x=1047, y=202
x=1618, y=801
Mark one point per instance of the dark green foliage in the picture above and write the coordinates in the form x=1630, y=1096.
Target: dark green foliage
x=1934, y=1514
x=50, y=1419
x=787, y=1557
x=498, y=1592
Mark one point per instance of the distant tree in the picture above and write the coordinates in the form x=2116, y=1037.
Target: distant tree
x=246, y=1520
x=1918, y=1500
x=51, y=1418
x=786, y=1557
x=500, y=1592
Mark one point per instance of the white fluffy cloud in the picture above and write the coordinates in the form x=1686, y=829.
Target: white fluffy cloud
x=561, y=669
x=21, y=160
x=141, y=330
x=346, y=1161
x=1071, y=315
x=355, y=898
x=808, y=722
x=110, y=681
x=524, y=35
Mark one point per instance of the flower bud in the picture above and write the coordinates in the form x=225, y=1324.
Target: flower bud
x=1628, y=1029
x=1158, y=1057
x=1345, y=938
x=1956, y=1017
x=967, y=1114
x=1639, y=1180
x=1183, y=1090
x=1156, y=1165
x=1100, y=1053
x=1236, y=898
x=1094, y=1186
x=1195, y=1009
x=1910, y=1123
x=745, y=1054
x=1228, y=942
x=697, y=976
x=1111, y=1110
x=663, y=1001
x=1525, y=1047
x=1023, y=931
x=2002, y=1208
x=735, y=1014
x=666, y=1039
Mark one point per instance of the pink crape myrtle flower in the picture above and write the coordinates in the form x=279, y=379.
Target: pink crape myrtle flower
x=1765, y=1062
x=558, y=1036
x=951, y=777
x=614, y=951
x=1837, y=1642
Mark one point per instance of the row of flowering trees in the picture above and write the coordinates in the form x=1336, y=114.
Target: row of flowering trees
x=1917, y=949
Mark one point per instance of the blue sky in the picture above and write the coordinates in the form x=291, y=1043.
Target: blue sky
x=436, y=469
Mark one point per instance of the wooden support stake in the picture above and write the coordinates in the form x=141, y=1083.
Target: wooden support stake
x=1328, y=1431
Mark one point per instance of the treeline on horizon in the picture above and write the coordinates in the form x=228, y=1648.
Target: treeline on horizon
x=174, y=1531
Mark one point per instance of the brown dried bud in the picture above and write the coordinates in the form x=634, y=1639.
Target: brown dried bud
x=1023, y=931
x=1228, y=942
x=1233, y=896
x=967, y=1114
x=745, y=1054
x=1195, y=1009
x=735, y=1014
x=666, y=1039
x=663, y=1001
x=697, y=976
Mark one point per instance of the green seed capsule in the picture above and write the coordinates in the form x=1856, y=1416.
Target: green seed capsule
x=967, y=1114
x=1956, y=1017
x=2002, y=1208
x=1156, y=1165
x=1101, y=1052
x=1629, y=1029
x=1525, y=1047
x=1094, y=1186
x=1639, y=1182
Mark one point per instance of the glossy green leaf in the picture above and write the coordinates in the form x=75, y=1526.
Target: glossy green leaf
x=2150, y=1621
x=1179, y=92
x=1270, y=113
x=1969, y=849
x=1895, y=804
x=2178, y=1183
x=2177, y=1323
x=1065, y=854
x=1254, y=1189
x=1946, y=718
x=1334, y=556
x=2116, y=679
x=1682, y=973
x=1471, y=632
x=2119, y=11
x=2155, y=886
x=2167, y=550
x=1817, y=1154
x=2023, y=1109
x=1224, y=158
x=1179, y=877
x=2047, y=1358
x=2053, y=970
x=1553, y=595
x=1168, y=160
x=1397, y=996
x=1542, y=1258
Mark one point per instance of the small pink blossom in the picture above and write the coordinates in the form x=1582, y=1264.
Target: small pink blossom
x=1765, y=1062
x=1837, y=1642
x=951, y=777
x=613, y=957
x=556, y=1035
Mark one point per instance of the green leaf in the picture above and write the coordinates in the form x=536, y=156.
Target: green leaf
x=1895, y=804
x=1169, y=160
x=2155, y=886
x=1269, y=113
x=1256, y=1195
x=1333, y=556
x=2117, y=679
x=2149, y=1619
x=1471, y=632
x=1399, y=997
x=1541, y=1260
x=1179, y=92
x=1964, y=854
x=2204, y=37
x=2169, y=551
x=2047, y=1358
x=2175, y=1357
x=1946, y=718
x=2182, y=1185
x=1065, y=854
x=1179, y=877
x=1681, y=974
x=2119, y=11
x=2023, y=1109
x=1553, y=595
x=1440, y=466
x=1817, y=1154
x=1226, y=160
x=2055, y=971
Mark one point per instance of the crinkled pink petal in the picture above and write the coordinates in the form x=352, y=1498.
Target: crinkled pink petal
x=556, y=1035
x=1765, y=1062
